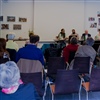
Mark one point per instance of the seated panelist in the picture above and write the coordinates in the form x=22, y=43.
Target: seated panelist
x=85, y=35
x=61, y=35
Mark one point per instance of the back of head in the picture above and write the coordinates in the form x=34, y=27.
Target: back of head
x=9, y=74
x=34, y=38
x=89, y=41
x=73, y=40
x=10, y=36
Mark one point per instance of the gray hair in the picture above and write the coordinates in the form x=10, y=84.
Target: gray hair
x=9, y=74
x=89, y=41
x=73, y=40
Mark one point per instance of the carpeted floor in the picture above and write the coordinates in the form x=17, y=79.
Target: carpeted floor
x=92, y=96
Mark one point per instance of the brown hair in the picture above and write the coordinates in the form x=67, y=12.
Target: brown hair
x=2, y=47
x=34, y=38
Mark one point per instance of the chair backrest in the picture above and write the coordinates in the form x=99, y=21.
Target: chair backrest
x=3, y=60
x=52, y=52
x=12, y=53
x=29, y=66
x=71, y=56
x=82, y=64
x=96, y=45
x=54, y=64
x=95, y=80
x=35, y=78
x=67, y=81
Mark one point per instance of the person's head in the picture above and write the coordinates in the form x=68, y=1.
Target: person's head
x=30, y=34
x=34, y=39
x=62, y=30
x=9, y=74
x=73, y=31
x=86, y=31
x=89, y=41
x=73, y=40
x=10, y=36
x=2, y=44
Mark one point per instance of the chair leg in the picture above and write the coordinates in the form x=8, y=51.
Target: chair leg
x=52, y=96
x=46, y=85
x=51, y=92
x=73, y=96
x=86, y=95
x=79, y=96
x=80, y=90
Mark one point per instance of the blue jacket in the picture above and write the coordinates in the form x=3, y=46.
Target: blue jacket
x=30, y=52
x=24, y=92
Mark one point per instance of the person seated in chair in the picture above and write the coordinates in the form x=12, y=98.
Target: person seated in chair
x=10, y=44
x=4, y=54
x=73, y=34
x=72, y=47
x=85, y=35
x=86, y=50
x=97, y=37
x=31, y=51
x=12, y=87
x=61, y=38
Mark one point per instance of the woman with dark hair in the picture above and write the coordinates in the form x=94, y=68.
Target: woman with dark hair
x=72, y=47
x=4, y=55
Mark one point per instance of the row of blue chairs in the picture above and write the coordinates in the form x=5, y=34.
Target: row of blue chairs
x=56, y=74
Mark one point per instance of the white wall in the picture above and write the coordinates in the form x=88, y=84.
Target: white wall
x=91, y=9
x=50, y=17
x=18, y=9
x=47, y=17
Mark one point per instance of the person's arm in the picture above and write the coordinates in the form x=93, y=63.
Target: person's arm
x=82, y=37
x=17, y=56
x=42, y=60
x=65, y=54
x=77, y=37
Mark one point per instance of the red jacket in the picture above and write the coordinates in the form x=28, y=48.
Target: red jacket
x=68, y=49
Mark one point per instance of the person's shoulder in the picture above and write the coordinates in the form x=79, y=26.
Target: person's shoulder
x=83, y=34
x=27, y=86
x=89, y=34
x=21, y=49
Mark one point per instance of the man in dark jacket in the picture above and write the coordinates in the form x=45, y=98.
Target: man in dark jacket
x=85, y=35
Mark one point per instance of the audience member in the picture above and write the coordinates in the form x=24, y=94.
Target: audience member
x=72, y=47
x=12, y=87
x=85, y=35
x=86, y=50
x=4, y=55
x=10, y=42
x=30, y=34
x=97, y=37
x=31, y=51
